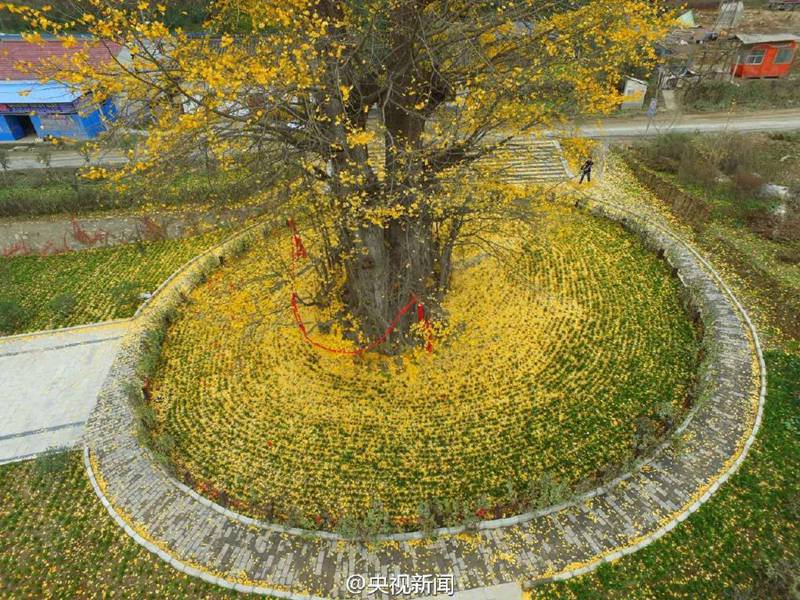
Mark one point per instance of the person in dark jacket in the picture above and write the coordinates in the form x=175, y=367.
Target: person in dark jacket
x=586, y=171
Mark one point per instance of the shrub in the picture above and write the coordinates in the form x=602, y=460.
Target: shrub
x=546, y=491
x=777, y=579
x=126, y=295
x=664, y=152
x=694, y=167
x=735, y=153
x=12, y=317
x=62, y=305
x=790, y=257
x=164, y=444
x=746, y=184
x=53, y=460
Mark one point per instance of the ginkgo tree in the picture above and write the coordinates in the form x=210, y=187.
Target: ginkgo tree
x=323, y=86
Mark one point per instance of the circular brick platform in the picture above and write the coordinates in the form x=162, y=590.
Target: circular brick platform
x=208, y=541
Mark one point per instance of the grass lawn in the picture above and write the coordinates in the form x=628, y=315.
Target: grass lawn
x=712, y=183
x=44, y=292
x=58, y=541
x=745, y=542
x=53, y=191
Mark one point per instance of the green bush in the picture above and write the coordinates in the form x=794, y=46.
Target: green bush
x=62, y=305
x=126, y=295
x=12, y=317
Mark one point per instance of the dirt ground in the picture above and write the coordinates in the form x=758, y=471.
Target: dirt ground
x=757, y=20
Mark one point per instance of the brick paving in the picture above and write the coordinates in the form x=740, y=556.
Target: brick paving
x=626, y=514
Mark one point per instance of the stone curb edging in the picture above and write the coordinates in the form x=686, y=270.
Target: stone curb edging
x=419, y=535
x=71, y=329
x=640, y=543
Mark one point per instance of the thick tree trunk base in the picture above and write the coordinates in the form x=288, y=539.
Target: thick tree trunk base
x=391, y=265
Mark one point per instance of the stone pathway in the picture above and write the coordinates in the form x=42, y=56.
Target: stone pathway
x=50, y=384
x=210, y=542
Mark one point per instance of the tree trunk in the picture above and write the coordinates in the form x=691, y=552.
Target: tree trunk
x=396, y=264
x=401, y=260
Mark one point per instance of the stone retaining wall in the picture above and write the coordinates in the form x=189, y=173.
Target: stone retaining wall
x=59, y=234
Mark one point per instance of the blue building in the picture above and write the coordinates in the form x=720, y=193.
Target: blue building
x=33, y=108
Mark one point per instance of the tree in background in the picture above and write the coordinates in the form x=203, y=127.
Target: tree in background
x=384, y=106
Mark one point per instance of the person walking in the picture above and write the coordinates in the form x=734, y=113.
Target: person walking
x=586, y=171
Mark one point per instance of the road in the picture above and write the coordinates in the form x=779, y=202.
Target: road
x=25, y=157
x=778, y=120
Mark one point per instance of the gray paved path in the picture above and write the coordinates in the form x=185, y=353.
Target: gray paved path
x=49, y=386
x=210, y=542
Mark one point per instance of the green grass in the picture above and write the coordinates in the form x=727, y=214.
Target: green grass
x=760, y=94
x=731, y=221
x=745, y=542
x=53, y=191
x=45, y=292
x=58, y=541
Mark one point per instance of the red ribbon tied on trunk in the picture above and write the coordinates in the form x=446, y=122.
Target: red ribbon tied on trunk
x=299, y=251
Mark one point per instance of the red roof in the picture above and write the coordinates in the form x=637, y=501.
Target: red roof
x=14, y=51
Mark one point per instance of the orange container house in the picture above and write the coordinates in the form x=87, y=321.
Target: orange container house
x=765, y=55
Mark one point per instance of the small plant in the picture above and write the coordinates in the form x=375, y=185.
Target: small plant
x=126, y=295
x=5, y=160
x=62, y=305
x=546, y=491
x=694, y=167
x=12, y=317
x=777, y=578
x=44, y=157
x=746, y=184
x=646, y=434
x=665, y=412
x=53, y=460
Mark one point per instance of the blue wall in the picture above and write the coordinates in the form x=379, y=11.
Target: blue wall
x=10, y=128
x=73, y=126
